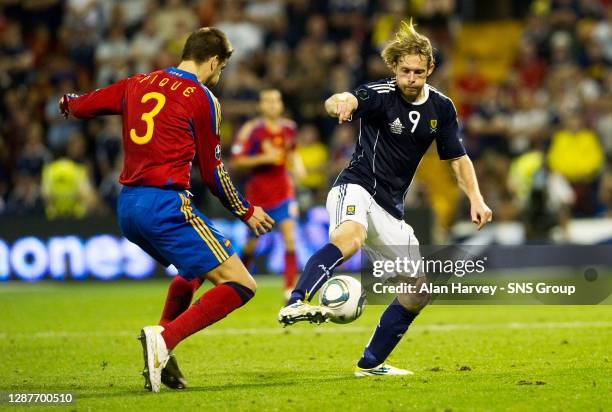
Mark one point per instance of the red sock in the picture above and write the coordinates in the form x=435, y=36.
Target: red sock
x=213, y=306
x=290, y=270
x=180, y=294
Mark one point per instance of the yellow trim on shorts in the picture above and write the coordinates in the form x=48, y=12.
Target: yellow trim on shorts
x=203, y=230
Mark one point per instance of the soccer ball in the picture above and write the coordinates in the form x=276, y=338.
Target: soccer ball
x=345, y=298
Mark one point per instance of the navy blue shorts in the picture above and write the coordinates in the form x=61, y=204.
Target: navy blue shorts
x=166, y=226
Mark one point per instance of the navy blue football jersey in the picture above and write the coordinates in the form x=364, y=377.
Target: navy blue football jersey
x=393, y=138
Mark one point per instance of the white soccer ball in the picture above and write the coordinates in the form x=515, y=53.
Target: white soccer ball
x=345, y=298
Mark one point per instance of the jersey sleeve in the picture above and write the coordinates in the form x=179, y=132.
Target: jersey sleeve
x=448, y=141
x=205, y=126
x=105, y=101
x=369, y=99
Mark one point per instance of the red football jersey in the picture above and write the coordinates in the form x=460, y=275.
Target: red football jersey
x=168, y=118
x=270, y=185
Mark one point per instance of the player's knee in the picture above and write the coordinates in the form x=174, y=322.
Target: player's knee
x=349, y=242
x=249, y=283
x=414, y=302
x=232, y=271
x=245, y=293
x=348, y=245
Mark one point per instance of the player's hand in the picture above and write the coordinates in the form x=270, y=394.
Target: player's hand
x=481, y=214
x=342, y=106
x=63, y=104
x=345, y=106
x=272, y=154
x=259, y=222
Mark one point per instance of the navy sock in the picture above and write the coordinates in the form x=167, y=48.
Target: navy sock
x=393, y=323
x=318, y=269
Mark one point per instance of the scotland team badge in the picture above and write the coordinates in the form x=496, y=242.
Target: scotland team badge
x=433, y=123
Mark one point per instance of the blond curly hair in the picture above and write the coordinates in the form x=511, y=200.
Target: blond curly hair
x=407, y=41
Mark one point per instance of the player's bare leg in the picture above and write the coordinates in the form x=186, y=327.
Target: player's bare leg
x=346, y=240
x=393, y=324
x=287, y=229
x=349, y=237
x=232, y=270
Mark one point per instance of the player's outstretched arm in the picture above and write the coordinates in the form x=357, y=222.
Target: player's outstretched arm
x=466, y=178
x=341, y=105
x=105, y=101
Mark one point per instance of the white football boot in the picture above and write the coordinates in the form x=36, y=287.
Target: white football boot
x=155, y=356
x=300, y=311
x=381, y=370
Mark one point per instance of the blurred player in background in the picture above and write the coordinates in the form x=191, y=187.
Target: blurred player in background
x=265, y=147
x=399, y=118
x=169, y=116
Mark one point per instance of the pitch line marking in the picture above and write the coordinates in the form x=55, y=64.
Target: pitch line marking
x=324, y=329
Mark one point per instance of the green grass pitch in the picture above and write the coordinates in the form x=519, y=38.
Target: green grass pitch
x=81, y=338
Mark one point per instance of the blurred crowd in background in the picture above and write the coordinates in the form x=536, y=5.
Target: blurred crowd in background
x=533, y=91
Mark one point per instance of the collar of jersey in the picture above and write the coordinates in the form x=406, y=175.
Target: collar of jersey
x=181, y=73
x=424, y=98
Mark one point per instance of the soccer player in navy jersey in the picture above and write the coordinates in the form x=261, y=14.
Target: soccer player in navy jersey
x=169, y=116
x=399, y=118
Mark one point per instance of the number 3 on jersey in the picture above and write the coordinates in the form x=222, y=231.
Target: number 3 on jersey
x=147, y=117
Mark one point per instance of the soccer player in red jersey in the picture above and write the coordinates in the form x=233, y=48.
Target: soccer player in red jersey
x=264, y=146
x=169, y=116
